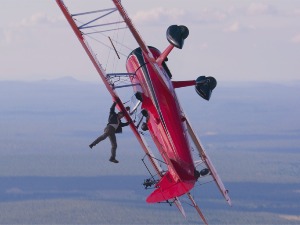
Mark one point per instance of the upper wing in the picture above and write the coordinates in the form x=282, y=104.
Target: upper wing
x=208, y=162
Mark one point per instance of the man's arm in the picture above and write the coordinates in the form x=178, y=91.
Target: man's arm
x=124, y=124
x=112, y=108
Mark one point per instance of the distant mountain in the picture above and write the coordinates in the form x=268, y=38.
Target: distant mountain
x=60, y=107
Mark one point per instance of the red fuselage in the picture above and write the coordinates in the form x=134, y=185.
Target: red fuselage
x=165, y=120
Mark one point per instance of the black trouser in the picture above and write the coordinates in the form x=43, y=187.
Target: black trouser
x=110, y=132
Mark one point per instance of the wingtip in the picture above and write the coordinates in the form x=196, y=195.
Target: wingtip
x=179, y=206
x=229, y=202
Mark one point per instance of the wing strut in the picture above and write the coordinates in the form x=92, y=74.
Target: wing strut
x=208, y=162
x=197, y=208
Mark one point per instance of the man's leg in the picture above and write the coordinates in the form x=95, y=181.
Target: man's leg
x=113, y=140
x=101, y=138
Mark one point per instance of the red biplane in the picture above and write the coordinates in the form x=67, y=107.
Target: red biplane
x=154, y=107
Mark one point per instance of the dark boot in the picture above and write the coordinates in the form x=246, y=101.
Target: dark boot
x=112, y=159
x=91, y=146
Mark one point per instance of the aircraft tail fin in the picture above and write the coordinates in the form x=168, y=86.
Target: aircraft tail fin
x=168, y=188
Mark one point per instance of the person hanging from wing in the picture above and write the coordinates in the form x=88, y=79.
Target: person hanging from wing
x=114, y=126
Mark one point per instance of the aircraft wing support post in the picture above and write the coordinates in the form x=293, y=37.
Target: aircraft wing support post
x=164, y=55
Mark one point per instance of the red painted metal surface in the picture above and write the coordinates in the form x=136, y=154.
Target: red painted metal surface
x=171, y=139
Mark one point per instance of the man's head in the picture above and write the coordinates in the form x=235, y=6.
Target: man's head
x=120, y=115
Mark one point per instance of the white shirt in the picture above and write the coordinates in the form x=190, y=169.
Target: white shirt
x=115, y=125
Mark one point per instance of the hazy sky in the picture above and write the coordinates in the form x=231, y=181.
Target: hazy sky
x=231, y=40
